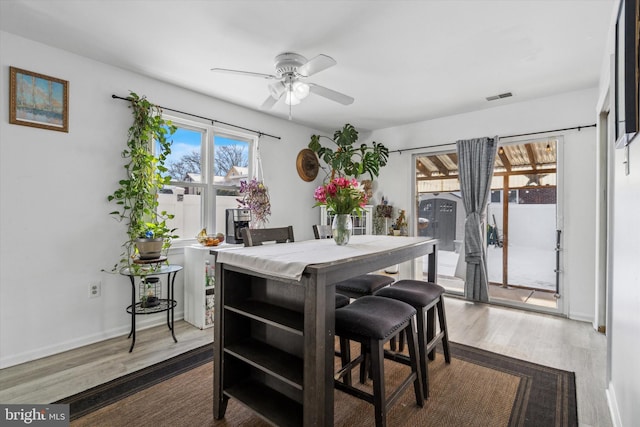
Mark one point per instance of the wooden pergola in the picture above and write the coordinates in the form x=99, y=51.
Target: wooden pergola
x=517, y=166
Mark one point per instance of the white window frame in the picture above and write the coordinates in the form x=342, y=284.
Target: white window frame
x=207, y=171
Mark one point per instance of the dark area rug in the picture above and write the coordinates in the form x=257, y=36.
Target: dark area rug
x=105, y=394
x=478, y=388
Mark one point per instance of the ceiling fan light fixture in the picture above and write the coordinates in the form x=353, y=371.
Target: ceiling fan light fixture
x=291, y=98
x=285, y=83
x=300, y=89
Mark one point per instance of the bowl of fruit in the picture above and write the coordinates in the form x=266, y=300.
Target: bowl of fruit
x=209, y=239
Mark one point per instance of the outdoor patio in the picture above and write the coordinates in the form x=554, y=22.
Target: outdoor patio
x=531, y=283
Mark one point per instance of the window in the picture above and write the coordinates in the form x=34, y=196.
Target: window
x=206, y=166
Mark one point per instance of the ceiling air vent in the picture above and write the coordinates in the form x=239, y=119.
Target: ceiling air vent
x=502, y=95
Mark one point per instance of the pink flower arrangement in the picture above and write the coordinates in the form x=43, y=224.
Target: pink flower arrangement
x=341, y=196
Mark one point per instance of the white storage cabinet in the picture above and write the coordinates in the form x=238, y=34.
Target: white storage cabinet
x=361, y=225
x=199, y=285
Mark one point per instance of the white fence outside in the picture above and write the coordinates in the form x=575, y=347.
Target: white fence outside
x=188, y=211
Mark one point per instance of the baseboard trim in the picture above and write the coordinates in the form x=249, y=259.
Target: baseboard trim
x=613, y=406
x=51, y=350
x=582, y=317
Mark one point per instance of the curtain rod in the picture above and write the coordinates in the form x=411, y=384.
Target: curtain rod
x=213, y=121
x=502, y=137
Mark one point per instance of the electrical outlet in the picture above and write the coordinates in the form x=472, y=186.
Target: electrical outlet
x=95, y=289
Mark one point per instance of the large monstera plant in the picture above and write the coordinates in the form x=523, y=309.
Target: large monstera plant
x=347, y=159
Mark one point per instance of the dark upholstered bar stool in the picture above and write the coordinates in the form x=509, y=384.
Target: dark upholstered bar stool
x=426, y=298
x=366, y=284
x=341, y=300
x=373, y=321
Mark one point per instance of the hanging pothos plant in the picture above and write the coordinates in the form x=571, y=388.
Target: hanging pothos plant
x=137, y=196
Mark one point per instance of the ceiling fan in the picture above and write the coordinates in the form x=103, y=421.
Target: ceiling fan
x=289, y=80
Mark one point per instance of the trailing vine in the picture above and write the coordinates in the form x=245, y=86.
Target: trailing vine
x=137, y=196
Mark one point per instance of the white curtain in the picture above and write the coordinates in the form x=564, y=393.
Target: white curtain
x=475, y=167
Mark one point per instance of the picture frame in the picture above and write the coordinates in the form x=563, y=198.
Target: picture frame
x=627, y=72
x=38, y=100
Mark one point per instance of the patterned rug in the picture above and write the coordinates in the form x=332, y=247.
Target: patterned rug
x=478, y=388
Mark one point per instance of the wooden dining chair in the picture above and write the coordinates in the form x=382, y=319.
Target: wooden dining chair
x=257, y=236
x=322, y=231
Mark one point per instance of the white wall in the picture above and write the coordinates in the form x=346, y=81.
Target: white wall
x=556, y=112
x=623, y=305
x=624, y=330
x=56, y=232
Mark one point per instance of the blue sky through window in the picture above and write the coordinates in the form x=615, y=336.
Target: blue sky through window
x=186, y=141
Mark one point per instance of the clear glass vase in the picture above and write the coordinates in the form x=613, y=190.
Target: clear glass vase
x=341, y=228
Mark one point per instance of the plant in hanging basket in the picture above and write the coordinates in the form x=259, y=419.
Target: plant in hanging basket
x=255, y=197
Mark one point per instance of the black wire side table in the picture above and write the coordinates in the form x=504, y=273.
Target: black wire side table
x=163, y=304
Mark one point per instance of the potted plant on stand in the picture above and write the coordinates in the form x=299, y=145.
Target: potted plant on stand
x=148, y=235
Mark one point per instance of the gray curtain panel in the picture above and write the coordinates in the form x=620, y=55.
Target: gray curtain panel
x=475, y=165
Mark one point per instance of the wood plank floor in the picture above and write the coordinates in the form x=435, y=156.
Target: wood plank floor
x=539, y=338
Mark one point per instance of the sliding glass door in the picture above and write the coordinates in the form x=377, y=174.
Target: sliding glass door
x=522, y=239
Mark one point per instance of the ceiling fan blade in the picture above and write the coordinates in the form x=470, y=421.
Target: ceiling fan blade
x=315, y=65
x=269, y=103
x=330, y=94
x=245, y=73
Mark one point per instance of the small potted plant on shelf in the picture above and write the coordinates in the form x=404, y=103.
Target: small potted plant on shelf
x=400, y=227
x=137, y=196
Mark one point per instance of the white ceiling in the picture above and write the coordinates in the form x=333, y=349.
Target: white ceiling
x=402, y=61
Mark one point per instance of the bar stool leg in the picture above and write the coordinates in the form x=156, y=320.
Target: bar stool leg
x=377, y=364
x=422, y=348
x=413, y=355
x=345, y=357
x=365, y=366
x=443, y=327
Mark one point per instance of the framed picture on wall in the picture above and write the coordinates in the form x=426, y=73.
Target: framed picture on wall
x=627, y=72
x=38, y=101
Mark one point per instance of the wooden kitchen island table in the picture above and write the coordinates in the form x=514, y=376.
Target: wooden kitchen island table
x=274, y=321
